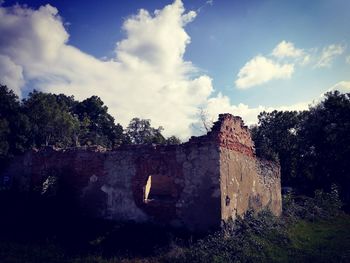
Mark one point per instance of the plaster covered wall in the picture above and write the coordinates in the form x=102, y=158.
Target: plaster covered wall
x=247, y=182
x=196, y=184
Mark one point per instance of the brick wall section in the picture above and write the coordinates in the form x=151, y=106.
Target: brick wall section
x=213, y=177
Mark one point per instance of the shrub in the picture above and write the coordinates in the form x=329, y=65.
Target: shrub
x=252, y=239
x=322, y=206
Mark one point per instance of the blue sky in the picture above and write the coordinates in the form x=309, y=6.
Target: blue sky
x=235, y=56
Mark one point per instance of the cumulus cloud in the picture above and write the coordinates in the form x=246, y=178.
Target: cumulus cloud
x=260, y=70
x=329, y=54
x=287, y=49
x=279, y=65
x=222, y=103
x=282, y=61
x=11, y=74
x=148, y=77
x=347, y=59
x=342, y=86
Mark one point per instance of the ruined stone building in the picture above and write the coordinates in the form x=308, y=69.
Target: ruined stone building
x=197, y=184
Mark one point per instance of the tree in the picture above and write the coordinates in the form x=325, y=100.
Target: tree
x=97, y=125
x=13, y=124
x=140, y=132
x=4, y=133
x=204, y=123
x=312, y=146
x=276, y=139
x=51, y=122
x=324, y=141
x=173, y=140
x=204, y=119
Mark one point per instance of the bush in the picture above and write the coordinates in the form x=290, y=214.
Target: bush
x=252, y=239
x=322, y=206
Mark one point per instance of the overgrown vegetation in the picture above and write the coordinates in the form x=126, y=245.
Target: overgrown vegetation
x=310, y=230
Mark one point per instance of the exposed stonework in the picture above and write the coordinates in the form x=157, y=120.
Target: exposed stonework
x=196, y=184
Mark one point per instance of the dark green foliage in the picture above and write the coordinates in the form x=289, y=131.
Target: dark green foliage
x=325, y=144
x=51, y=122
x=97, y=125
x=323, y=205
x=140, y=131
x=49, y=119
x=245, y=240
x=265, y=238
x=276, y=139
x=313, y=147
x=173, y=140
x=43, y=119
x=14, y=125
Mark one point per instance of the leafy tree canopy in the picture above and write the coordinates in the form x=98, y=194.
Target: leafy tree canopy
x=313, y=146
x=140, y=131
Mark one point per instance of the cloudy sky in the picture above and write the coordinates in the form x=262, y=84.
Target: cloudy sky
x=164, y=60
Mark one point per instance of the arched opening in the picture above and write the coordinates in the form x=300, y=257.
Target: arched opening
x=159, y=188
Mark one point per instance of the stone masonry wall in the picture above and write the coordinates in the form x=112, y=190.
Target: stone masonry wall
x=196, y=184
x=112, y=184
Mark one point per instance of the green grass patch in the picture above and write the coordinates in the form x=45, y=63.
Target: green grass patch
x=322, y=241
x=310, y=230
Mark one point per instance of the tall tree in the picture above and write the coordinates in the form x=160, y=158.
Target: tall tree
x=140, y=131
x=13, y=124
x=51, y=122
x=312, y=146
x=325, y=143
x=97, y=125
x=172, y=140
x=276, y=139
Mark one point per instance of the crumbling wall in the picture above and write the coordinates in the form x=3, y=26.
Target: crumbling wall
x=114, y=184
x=190, y=170
x=196, y=184
x=247, y=182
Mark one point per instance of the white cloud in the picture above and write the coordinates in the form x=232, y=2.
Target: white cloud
x=11, y=74
x=221, y=104
x=287, y=49
x=347, y=59
x=260, y=70
x=328, y=55
x=305, y=60
x=282, y=62
x=148, y=77
x=342, y=86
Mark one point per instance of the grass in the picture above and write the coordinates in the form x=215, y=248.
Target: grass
x=323, y=241
x=318, y=241
x=308, y=232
